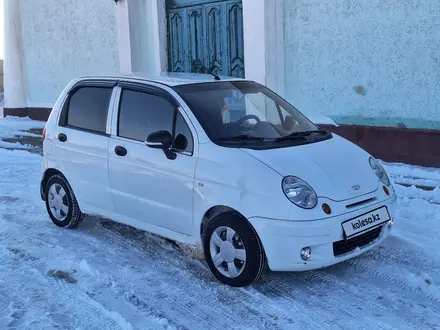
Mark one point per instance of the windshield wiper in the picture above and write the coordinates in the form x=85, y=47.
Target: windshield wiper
x=301, y=135
x=243, y=137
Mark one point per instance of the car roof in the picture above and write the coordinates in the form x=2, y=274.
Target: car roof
x=165, y=78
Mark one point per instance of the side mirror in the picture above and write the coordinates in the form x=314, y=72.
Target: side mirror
x=159, y=140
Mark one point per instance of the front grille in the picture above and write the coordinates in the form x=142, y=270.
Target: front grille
x=369, y=200
x=345, y=246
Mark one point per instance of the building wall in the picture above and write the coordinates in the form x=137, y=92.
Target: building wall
x=1, y=76
x=2, y=30
x=363, y=62
x=64, y=39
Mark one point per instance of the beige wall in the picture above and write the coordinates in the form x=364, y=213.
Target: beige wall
x=50, y=42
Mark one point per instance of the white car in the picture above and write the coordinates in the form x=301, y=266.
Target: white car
x=218, y=162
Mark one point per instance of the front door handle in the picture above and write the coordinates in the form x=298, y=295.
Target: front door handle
x=62, y=137
x=120, y=151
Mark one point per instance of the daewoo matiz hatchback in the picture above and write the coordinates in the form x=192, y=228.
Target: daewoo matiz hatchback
x=223, y=163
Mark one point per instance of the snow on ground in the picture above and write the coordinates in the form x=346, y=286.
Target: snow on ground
x=13, y=127
x=108, y=276
x=321, y=119
x=2, y=104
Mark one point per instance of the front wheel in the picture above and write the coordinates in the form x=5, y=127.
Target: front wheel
x=61, y=203
x=233, y=250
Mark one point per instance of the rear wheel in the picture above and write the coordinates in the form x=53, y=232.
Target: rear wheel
x=233, y=250
x=61, y=203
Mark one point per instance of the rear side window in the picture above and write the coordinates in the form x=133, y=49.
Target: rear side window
x=87, y=109
x=142, y=113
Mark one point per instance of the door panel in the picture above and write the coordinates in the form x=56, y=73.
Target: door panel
x=205, y=35
x=82, y=142
x=147, y=186
x=84, y=157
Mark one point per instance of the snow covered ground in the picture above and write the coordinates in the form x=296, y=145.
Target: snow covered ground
x=108, y=276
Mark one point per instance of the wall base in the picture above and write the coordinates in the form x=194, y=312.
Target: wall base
x=390, y=144
x=33, y=113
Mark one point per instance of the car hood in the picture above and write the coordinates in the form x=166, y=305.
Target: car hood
x=336, y=168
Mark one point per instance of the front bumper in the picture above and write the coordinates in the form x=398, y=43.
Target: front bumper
x=283, y=240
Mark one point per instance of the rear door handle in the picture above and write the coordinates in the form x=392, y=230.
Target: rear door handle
x=62, y=137
x=120, y=151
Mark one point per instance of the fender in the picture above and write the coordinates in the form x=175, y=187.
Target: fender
x=51, y=165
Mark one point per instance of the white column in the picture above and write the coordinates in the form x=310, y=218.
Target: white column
x=158, y=11
x=264, y=42
x=254, y=40
x=274, y=25
x=14, y=61
x=124, y=43
x=141, y=35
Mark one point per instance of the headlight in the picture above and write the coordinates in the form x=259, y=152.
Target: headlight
x=299, y=192
x=380, y=171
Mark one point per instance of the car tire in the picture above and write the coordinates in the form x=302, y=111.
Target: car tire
x=61, y=203
x=218, y=252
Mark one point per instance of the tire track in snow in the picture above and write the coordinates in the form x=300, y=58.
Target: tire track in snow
x=249, y=298
x=156, y=246
x=75, y=297
x=68, y=293
x=133, y=244
x=347, y=291
x=394, y=280
x=408, y=302
x=23, y=305
x=297, y=304
x=311, y=295
x=212, y=309
x=317, y=283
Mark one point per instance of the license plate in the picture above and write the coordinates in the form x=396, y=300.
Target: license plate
x=366, y=221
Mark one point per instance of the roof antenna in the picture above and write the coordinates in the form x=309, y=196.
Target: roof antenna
x=203, y=69
x=210, y=71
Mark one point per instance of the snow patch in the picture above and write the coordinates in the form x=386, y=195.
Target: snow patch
x=84, y=266
x=15, y=145
x=12, y=127
x=409, y=171
x=320, y=119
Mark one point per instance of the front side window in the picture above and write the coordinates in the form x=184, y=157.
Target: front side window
x=87, y=109
x=247, y=112
x=143, y=113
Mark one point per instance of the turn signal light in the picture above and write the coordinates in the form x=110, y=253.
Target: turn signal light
x=385, y=189
x=326, y=208
x=44, y=133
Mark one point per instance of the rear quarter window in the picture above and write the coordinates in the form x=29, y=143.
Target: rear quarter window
x=87, y=109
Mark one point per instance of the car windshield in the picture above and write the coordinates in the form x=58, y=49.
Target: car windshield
x=244, y=111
